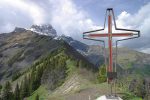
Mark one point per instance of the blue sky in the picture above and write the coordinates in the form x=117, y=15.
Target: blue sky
x=96, y=8
x=72, y=17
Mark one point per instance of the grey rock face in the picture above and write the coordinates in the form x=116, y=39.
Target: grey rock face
x=45, y=29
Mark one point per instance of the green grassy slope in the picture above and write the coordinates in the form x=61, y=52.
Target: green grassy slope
x=63, y=67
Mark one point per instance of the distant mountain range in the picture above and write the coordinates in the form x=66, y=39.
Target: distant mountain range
x=93, y=52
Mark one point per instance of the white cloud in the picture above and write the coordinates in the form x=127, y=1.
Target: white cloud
x=19, y=12
x=122, y=19
x=136, y=20
x=68, y=19
x=64, y=15
x=139, y=21
x=34, y=11
x=7, y=27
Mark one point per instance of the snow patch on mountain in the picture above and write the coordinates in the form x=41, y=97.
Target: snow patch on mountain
x=45, y=29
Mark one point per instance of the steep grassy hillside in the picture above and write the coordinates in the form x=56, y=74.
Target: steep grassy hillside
x=82, y=84
x=53, y=71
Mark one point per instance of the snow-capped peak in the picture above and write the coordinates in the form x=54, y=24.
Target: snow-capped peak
x=19, y=30
x=45, y=29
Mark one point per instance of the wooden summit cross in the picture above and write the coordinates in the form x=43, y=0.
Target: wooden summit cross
x=129, y=34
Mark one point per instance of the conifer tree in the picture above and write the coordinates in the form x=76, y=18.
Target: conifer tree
x=21, y=91
x=80, y=63
x=7, y=92
x=102, y=74
x=32, y=81
x=1, y=90
x=25, y=88
x=37, y=97
x=17, y=93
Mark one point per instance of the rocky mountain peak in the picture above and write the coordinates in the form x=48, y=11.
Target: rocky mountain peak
x=45, y=29
x=19, y=30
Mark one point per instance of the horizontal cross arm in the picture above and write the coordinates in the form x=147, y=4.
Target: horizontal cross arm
x=113, y=35
x=93, y=31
